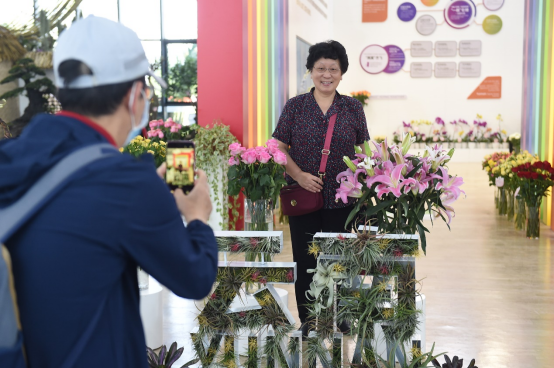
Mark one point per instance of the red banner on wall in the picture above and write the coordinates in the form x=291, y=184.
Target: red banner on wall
x=374, y=10
x=490, y=88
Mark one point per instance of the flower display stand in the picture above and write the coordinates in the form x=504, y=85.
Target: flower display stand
x=151, y=313
x=245, y=301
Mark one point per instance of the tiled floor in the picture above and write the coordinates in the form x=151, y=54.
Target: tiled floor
x=489, y=290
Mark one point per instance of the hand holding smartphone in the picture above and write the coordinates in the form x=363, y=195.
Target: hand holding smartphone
x=180, y=162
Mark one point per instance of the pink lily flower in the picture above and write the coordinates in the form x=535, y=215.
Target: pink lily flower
x=349, y=187
x=393, y=183
x=447, y=199
x=450, y=184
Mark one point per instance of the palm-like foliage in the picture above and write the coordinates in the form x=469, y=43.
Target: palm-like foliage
x=166, y=358
x=454, y=363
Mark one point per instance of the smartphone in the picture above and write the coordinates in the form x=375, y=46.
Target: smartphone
x=180, y=161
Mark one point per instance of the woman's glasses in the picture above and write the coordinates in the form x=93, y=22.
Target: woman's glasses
x=330, y=70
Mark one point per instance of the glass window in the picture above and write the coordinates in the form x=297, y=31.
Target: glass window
x=182, y=72
x=185, y=115
x=100, y=8
x=180, y=19
x=142, y=16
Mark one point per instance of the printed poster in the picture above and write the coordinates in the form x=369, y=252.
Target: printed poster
x=374, y=10
x=490, y=88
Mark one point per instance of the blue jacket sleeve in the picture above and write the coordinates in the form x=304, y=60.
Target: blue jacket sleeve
x=182, y=259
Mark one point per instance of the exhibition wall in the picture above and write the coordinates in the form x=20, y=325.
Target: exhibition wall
x=397, y=96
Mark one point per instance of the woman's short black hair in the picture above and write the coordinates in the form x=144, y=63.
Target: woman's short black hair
x=328, y=50
x=95, y=101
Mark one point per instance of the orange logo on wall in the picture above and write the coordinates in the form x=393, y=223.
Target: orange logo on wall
x=374, y=10
x=490, y=88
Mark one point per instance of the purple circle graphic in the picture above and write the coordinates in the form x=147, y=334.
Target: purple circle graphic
x=406, y=12
x=396, y=59
x=460, y=13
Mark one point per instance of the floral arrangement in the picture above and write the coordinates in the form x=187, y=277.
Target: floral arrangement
x=140, y=146
x=391, y=299
x=160, y=130
x=491, y=164
x=399, y=188
x=440, y=134
x=361, y=96
x=515, y=140
x=534, y=182
x=257, y=171
x=248, y=244
x=214, y=321
x=379, y=138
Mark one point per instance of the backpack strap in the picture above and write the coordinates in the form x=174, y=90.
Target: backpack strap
x=14, y=216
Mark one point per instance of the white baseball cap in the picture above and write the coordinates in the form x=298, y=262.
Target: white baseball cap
x=112, y=51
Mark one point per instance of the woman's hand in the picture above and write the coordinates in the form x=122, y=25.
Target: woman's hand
x=309, y=182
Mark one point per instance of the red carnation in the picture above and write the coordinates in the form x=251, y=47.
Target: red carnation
x=546, y=165
x=515, y=169
x=534, y=175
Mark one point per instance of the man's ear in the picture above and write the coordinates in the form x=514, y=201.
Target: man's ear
x=136, y=93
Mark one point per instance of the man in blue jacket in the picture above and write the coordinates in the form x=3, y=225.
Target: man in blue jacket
x=75, y=262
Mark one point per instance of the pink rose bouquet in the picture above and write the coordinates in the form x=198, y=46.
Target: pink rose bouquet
x=399, y=188
x=158, y=130
x=257, y=171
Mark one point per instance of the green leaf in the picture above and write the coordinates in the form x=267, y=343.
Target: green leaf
x=371, y=210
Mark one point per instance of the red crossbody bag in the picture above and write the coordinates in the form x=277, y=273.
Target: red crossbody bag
x=297, y=201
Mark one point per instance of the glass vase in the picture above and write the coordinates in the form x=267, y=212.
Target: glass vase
x=533, y=229
x=520, y=214
x=502, y=202
x=496, y=192
x=258, y=215
x=510, y=210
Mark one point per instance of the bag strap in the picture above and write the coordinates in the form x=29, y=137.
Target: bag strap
x=325, y=152
x=15, y=215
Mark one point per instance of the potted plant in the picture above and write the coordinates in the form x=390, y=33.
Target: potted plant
x=166, y=358
x=259, y=173
x=361, y=96
x=399, y=189
x=535, y=181
x=33, y=86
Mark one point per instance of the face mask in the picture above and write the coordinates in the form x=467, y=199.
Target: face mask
x=144, y=120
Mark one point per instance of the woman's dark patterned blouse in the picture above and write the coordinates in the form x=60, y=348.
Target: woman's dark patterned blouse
x=303, y=127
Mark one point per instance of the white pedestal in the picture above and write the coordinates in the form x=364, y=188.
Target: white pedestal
x=380, y=343
x=151, y=314
x=249, y=300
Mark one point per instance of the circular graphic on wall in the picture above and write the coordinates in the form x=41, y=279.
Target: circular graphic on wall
x=406, y=12
x=426, y=25
x=493, y=5
x=492, y=24
x=429, y=2
x=460, y=13
x=396, y=59
x=374, y=59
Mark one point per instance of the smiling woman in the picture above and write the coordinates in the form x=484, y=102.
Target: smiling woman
x=301, y=132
